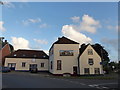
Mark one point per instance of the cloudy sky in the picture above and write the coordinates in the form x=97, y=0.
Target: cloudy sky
x=36, y=25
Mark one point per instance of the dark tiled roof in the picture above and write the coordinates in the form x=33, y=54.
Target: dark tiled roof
x=82, y=49
x=28, y=54
x=64, y=40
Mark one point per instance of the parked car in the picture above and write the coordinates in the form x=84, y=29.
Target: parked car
x=6, y=69
x=33, y=70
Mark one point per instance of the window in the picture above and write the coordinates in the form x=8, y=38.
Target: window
x=51, y=65
x=86, y=71
x=97, y=70
x=11, y=64
x=44, y=56
x=58, y=64
x=90, y=61
x=23, y=64
x=15, y=55
x=35, y=55
x=23, y=55
x=66, y=52
x=90, y=52
x=42, y=64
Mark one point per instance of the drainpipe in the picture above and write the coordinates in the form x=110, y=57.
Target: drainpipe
x=78, y=65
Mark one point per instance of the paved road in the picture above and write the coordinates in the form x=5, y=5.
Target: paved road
x=29, y=80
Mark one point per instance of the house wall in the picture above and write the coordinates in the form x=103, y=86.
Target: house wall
x=4, y=52
x=84, y=61
x=29, y=61
x=51, y=58
x=67, y=61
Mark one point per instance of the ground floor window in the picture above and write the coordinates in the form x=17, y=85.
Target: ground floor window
x=42, y=64
x=86, y=71
x=59, y=64
x=23, y=64
x=97, y=70
x=12, y=66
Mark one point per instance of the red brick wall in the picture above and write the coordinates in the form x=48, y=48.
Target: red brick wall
x=4, y=52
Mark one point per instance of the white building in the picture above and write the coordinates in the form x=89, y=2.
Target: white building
x=89, y=61
x=23, y=60
x=63, y=56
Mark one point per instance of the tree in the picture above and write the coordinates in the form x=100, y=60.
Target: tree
x=104, y=56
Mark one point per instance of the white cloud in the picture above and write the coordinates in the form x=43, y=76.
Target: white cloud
x=20, y=43
x=1, y=26
x=8, y=4
x=43, y=25
x=110, y=27
x=40, y=41
x=71, y=33
x=28, y=21
x=88, y=24
x=75, y=19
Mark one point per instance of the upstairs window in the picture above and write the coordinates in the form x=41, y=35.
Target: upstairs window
x=44, y=56
x=23, y=64
x=59, y=65
x=90, y=52
x=66, y=53
x=90, y=61
x=24, y=55
x=42, y=64
x=35, y=55
x=15, y=55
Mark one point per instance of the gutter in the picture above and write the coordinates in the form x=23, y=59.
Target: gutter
x=78, y=65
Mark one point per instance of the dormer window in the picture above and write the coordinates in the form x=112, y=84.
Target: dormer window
x=90, y=52
x=35, y=55
x=23, y=55
x=15, y=55
x=44, y=56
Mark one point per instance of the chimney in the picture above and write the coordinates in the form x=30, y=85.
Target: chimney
x=1, y=39
x=6, y=42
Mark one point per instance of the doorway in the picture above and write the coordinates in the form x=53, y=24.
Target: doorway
x=75, y=70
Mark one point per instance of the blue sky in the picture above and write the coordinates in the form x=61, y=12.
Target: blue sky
x=36, y=25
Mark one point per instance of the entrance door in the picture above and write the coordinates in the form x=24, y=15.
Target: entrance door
x=75, y=70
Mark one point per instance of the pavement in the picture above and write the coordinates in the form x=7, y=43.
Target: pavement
x=45, y=80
